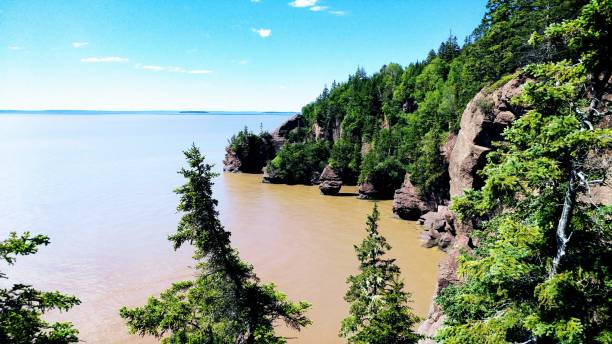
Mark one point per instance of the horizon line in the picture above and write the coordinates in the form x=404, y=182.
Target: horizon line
x=184, y=111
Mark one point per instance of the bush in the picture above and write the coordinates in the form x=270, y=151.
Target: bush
x=345, y=159
x=251, y=149
x=386, y=174
x=298, y=163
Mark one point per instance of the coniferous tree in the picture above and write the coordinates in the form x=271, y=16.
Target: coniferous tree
x=226, y=303
x=21, y=306
x=541, y=271
x=379, y=312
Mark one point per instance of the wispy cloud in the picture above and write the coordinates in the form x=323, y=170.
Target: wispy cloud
x=152, y=67
x=105, y=59
x=171, y=69
x=313, y=6
x=263, y=33
x=255, y=1
x=77, y=45
x=199, y=71
x=15, y=47
x=283, y=87
x=318, y=8
x=303, y=3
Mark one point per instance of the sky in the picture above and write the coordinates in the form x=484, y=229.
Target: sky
x=234, y=55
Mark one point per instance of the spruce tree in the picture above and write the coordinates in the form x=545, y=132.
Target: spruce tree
x=226, y=303
x=541, y=270
x=379, y=312
x=22, y=307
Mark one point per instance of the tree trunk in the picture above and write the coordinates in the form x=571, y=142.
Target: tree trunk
x=562, y=227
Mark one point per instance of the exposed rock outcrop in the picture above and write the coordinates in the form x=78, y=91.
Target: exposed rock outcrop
x=483, y=121
x=447, y=275
x=447, y=148
x=368, y=190
x=279, y=135
x=439, y=228
x=407, y=203
x=271, y=177
x=252, y=160
x=232, y=162
x=329, y=182
x=261, y=150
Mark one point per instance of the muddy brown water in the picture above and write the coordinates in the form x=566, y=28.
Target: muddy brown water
x=101, y=188
x=295, y=237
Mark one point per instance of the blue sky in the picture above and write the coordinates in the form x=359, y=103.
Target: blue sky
x=267, y=55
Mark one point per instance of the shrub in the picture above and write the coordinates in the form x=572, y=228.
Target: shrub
x=386, y=174
x=251, y=150
x=299, y=163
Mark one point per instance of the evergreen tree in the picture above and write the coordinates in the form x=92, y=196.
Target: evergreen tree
x=449, y=49
x=226, y=303
x=379, y=312
x=21, y=306
x=541, y=271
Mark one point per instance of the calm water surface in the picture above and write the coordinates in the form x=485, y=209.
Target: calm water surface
x=101, y=187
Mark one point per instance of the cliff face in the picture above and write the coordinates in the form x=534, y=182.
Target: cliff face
x=483, y=122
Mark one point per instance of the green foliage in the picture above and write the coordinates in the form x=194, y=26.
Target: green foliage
x=226, y=303
x=380, y=166
x=429, y=170
x=299, y=163
x=385, y=173
x=427, y=98
x=587, y=38
x=21, y=306
x=345, y=157
x=531, y=279
x=379, y=312
x=251, y=149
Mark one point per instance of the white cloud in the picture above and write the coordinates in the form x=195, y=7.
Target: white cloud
x=107, y=59
x=171, y=69
x=77, y=45
x=175, y=69
x=338, y=13
x=312, y=6
x=318, y=8
x=255, y=1
x=15, y=47
x=200, y=71
x=303, y=3
x=152, y=67
x=264, y=33
x=283, y=87
x=243, y=62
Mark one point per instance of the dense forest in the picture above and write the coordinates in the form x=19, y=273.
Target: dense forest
x=536, y=267
x=376, y=128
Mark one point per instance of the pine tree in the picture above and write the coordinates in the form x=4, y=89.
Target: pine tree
x=22, y=307
x=226, y=303
x=379, y=312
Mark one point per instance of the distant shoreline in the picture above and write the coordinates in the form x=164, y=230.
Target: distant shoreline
x=141, y=112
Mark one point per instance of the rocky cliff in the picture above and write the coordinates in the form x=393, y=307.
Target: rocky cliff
x=483, y=122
